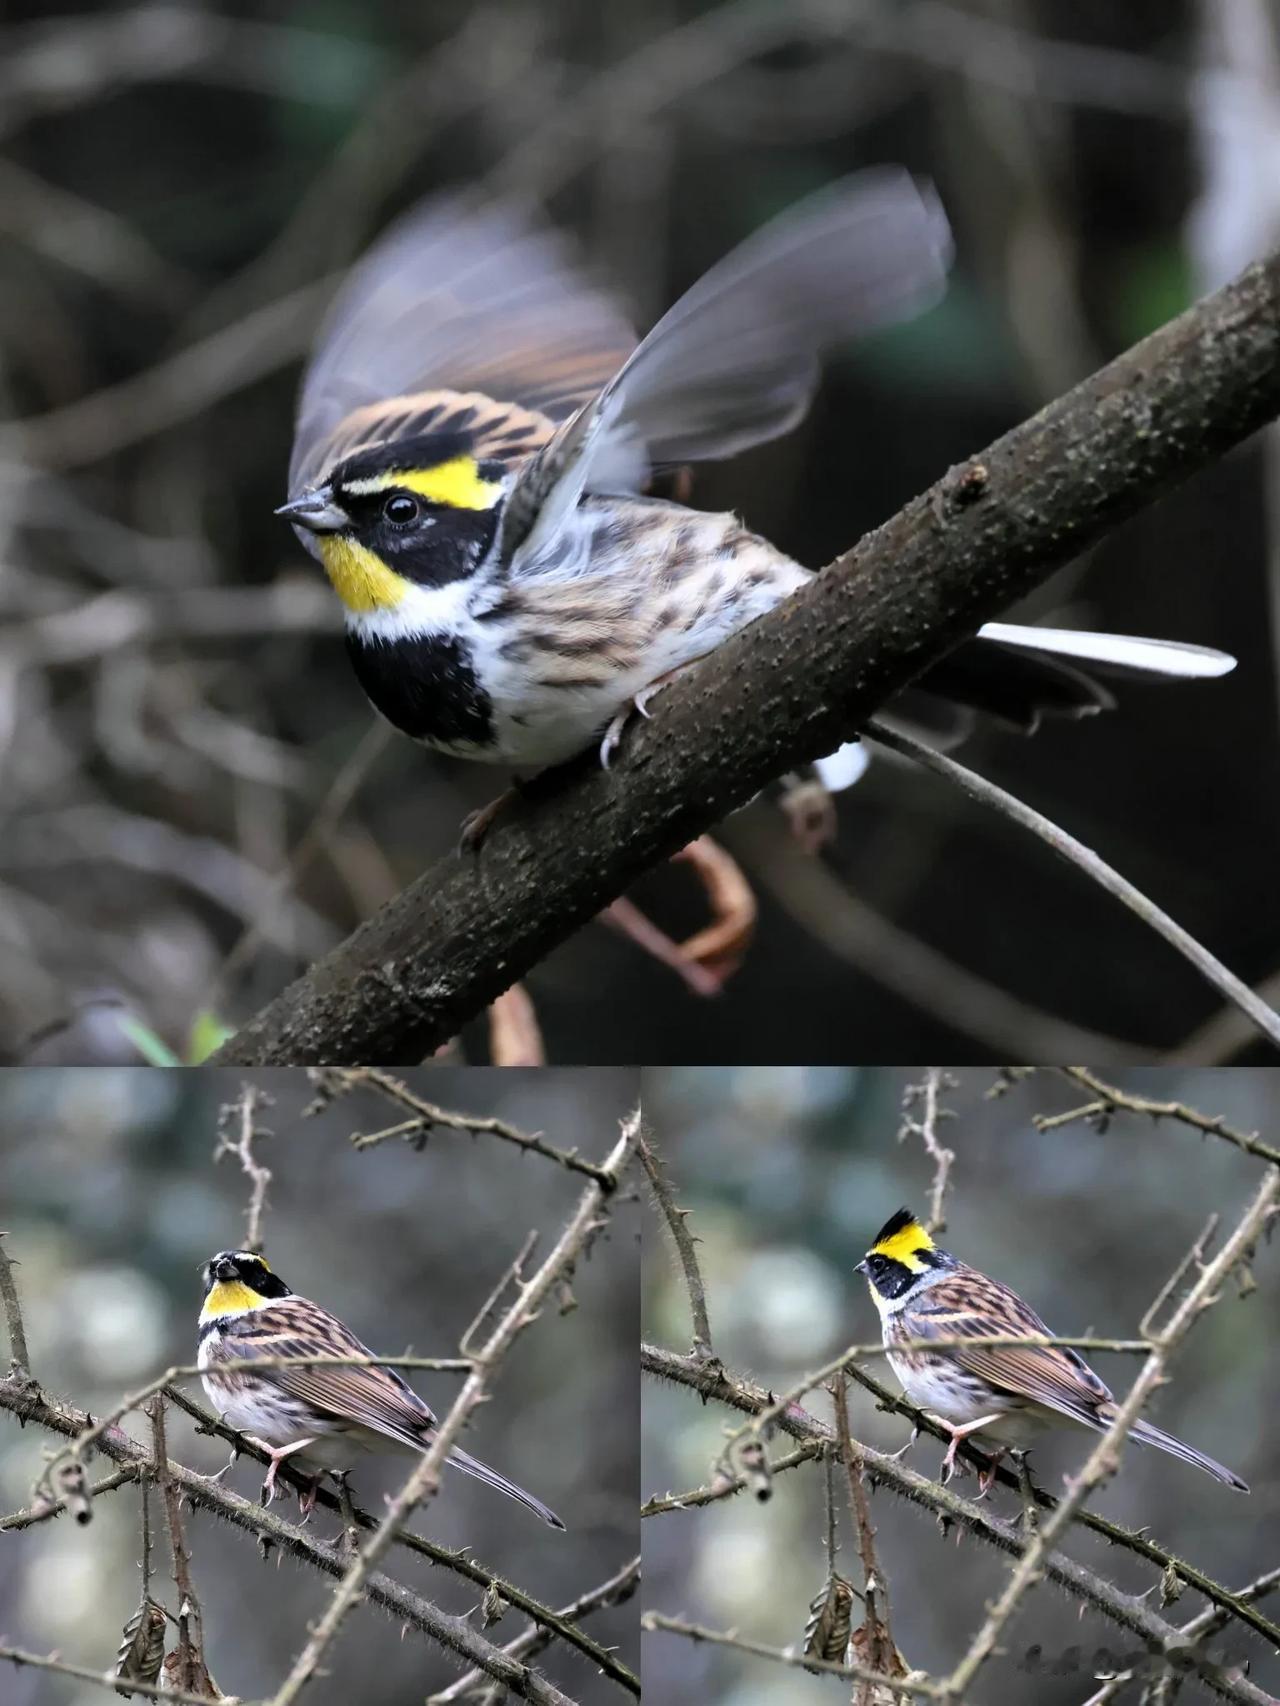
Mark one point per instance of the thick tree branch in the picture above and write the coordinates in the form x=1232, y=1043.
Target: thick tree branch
x=790, y=687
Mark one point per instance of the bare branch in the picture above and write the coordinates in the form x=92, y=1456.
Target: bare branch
x=925, y=1095
x=191, y=1673
x=1111, y=1100
x=1264, y=1018
x=882, y=1653
x=18, y=1355
x=654, y=1621
x=726, y=1485
x=616, y=1591
x=236, y=1136
x=427, y=1117
x=676, y=1219
x=107, y=1678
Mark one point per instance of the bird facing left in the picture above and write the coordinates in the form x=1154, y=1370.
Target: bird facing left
x=325, y=1416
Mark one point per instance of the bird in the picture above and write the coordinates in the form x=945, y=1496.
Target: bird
x=1005, y=1395
x=480, y=451
x=327, y=1417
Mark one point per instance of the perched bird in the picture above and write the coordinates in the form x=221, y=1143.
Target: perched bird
x=327, y=1416
x=476, y=443
x=1005, y=1395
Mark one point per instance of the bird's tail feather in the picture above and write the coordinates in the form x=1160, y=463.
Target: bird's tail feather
x=491, y=1478
x=1147, y=1434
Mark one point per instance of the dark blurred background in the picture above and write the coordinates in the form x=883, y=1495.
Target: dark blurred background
x=789, y=1173
x=112, y=1202
x=194, y=798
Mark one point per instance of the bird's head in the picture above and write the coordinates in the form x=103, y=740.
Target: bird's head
x=417, y=512
x=903, y=1253
x=236, y=1281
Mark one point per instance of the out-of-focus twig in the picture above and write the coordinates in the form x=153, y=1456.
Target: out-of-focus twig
x=1264, y=1018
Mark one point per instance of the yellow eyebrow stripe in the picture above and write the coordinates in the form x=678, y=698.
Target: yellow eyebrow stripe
x=457, y=483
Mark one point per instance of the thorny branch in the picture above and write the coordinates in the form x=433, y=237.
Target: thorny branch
x=882, y=1654
x=1264, y=1018
x=616, y=1591
x=427, y=1117
x=19, y=1362
x=676, y=1220
x=191, y=1673
x=1110, y=1100
x=237, y=1134
x=792, y=685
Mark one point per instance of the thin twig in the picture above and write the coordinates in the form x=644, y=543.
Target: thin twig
x=1205, y=1623
x=926, y=1095
x=336, y=1081
x=681, y=1237
x=107, y=1678
x=1265, y=1019
x=616, y=1591
x=882, y=1653
x=654, y=1621
x=190, y=1673
x=237, y=1133
x=726, y=1485
x=1111, y=1100
x=43, y=1511
x=18, y=1356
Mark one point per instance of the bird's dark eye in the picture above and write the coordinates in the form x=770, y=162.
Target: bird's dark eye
x=400, y=509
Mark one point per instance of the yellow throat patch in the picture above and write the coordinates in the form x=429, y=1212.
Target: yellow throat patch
x=360, y=578
x=905, y=1245
x=230, y=1297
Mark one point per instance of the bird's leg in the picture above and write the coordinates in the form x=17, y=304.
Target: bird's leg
x=958, y=1434
x=477, y=824
x=987, y=1476
x=1030, y=1510
x=637, y=705
x=277, y=1458
x=350, y=1536
x=307, y=1500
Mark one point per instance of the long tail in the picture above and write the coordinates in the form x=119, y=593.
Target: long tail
x=491, y=1478
x=1146, y=1434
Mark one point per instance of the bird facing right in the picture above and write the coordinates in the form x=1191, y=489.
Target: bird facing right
x=1004, y=1395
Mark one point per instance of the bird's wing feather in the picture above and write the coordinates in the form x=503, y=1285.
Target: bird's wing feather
x=455, y=296
x=976, y=1307
x=735, y=361
x=376, y=1397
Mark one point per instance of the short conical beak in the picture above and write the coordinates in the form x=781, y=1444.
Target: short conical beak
x=316, y=511
x=860, y=1267
x=225, y=1271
